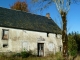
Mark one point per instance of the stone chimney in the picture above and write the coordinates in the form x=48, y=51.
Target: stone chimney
x=48, y=15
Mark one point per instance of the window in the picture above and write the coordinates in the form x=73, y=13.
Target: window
x=47, y=34
x=56, y=35
x=51, y=46
x=60, y=48
x=25, y=46
x=5, y=45
x=5, y=34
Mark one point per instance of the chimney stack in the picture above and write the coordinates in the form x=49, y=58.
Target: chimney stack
x=48, y=15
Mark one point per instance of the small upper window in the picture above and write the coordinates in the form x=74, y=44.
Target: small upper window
x=56, y=35
x=5, y=34
x=47, y=34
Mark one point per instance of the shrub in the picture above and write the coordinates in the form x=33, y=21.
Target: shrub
x=59, y=56
x=25, y=54
x=3, y=55
x=16, y=55
x=51, y=54
x=72, y=46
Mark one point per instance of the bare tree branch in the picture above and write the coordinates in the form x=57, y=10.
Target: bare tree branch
x=63, y=6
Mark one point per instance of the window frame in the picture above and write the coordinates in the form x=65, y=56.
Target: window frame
x=47, y=34
x=3, y=33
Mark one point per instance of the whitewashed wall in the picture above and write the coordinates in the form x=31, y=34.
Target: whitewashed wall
x=20, y=39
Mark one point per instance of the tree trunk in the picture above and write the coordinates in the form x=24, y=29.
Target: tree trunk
x=64, y=35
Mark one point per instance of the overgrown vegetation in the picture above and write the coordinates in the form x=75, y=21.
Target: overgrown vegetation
x=17, y=56
x=59, y=56
x=29, y=56
x=23, y=54
x=73, y=44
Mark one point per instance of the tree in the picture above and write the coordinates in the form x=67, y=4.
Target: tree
x=63, y=7
x=72, y=45
x=18, y=5
x=77, y=38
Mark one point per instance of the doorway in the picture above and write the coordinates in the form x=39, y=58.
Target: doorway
x=40, y=47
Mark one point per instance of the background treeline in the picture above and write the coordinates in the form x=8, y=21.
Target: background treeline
x=73, y=43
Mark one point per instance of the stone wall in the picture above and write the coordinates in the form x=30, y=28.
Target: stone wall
x=20, y=40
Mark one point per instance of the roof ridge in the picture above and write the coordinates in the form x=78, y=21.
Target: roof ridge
x=22, y=11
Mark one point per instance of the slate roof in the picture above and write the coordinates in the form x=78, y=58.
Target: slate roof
x=23, y=20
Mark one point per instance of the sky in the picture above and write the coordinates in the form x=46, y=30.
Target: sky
x=73, y=16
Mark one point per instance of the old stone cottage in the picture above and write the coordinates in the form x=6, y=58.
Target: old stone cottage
x=25, y=31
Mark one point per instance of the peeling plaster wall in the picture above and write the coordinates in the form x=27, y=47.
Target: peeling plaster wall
x=20, y=40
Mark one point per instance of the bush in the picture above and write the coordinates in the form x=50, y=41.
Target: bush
x=3, y=55
x=72, y=46
x=25, y=54
x=16, y=55
x=59, y=56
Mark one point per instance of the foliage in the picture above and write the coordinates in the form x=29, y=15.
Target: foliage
x=72, y=45
x=77, y=38
x=23, y=6
x=55, y=57
x=59, y=56
x=16, y=55
x=25, y=54
x=2, y=55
